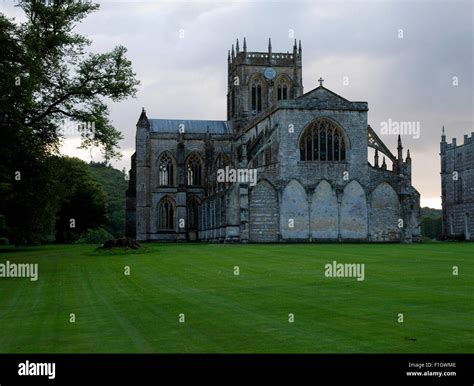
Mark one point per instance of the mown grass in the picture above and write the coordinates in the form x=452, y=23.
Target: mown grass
x=248, y=313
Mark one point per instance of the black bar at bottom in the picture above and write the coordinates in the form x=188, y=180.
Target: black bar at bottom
x=135, y=369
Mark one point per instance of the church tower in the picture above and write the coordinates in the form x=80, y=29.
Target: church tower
x=259, y=80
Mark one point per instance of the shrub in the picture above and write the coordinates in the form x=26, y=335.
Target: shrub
x=94, y=236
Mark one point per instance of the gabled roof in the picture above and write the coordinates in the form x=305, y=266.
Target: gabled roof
x=323, y=97
x=321, y=92
x=189, y=126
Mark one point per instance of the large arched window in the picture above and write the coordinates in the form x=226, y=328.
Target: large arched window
x=166, y=170
x=323, y=140
x=194, y=170
x=166, y=212
x=256, y=97
x=282, y=90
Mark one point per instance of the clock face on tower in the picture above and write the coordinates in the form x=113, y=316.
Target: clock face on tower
x=269, y=73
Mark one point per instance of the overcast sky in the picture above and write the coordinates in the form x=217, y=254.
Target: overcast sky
x=400, y=57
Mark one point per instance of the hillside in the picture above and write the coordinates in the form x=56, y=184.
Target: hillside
x=431, y=212
x=114, y=183
x=431, y=223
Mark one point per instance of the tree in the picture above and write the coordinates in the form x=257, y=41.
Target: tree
x=431, y=223
x=79, y=200
x=47, y=77
x=23, y=208
x=66, y=81
x=113, y=182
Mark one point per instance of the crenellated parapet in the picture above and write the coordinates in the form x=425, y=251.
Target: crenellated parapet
x=467, y=140
x=259, y=80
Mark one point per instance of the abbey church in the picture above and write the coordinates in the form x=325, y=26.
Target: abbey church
x=307, y=153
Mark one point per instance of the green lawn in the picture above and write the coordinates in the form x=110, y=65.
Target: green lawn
x=248, y=313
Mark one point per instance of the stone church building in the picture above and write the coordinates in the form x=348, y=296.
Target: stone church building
x=190, y=179
x=457, y=187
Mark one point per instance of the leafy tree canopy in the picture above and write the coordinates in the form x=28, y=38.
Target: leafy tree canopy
x=49, y=76
x=61, y=80
x=81, y=203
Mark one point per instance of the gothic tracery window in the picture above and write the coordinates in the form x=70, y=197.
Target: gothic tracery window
x=282, y=91
x=166, y=209
x=322, y=141
x=256, y=97
x=166, y=170
x=194, y=170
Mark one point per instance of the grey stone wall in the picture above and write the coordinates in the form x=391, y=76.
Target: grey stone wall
x=244, y=67
x=294, y=200
x=324, y=213
x=457, y=187
x=348, y=200
x=263, y=208
x=384, y=214
x=354, y=225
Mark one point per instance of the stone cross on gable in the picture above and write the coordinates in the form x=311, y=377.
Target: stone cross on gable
x=320, y=80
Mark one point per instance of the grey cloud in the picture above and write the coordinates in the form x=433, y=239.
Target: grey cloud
x=402, y=79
